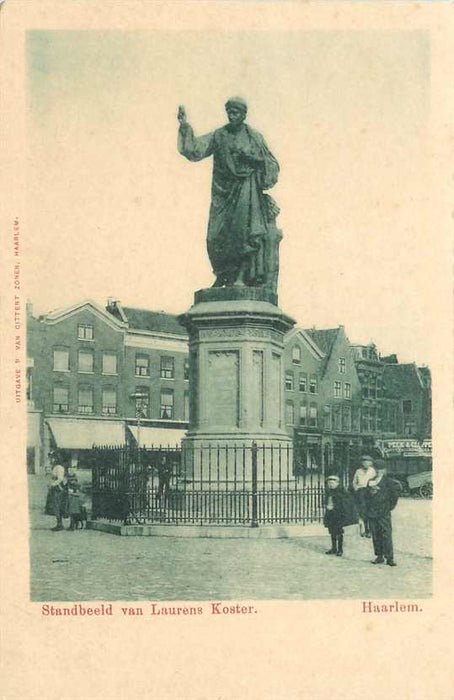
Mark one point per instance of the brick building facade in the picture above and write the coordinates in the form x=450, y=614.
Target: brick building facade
x=95, y=375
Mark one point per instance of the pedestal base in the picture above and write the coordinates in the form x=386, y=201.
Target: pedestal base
x=236, y=384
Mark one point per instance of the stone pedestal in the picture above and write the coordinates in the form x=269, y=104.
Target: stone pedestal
x=237, y=378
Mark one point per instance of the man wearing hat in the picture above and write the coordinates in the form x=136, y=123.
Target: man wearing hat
x=339, y=512
x=381, y=498
x=240, y=239
x=362, y=476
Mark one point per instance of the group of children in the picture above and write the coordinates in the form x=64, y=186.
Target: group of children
x=374, y=497
x=64, y=498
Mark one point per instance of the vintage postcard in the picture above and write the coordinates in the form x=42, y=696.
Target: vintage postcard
x=227, y=350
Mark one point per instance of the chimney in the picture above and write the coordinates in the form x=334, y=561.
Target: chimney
x=29, y=308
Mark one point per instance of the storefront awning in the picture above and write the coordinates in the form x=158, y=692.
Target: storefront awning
x=158, y=437
x=83, y=434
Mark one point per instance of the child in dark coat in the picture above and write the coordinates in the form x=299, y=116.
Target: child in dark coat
x=340, y=511
x=75, y=505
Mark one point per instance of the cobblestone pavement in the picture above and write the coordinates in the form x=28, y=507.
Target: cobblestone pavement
x=90, y=565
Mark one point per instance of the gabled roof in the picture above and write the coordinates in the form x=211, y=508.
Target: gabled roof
x=300, y=333
x=60, y=314
x=399, y=380
x=154, y=321
x=325, y=339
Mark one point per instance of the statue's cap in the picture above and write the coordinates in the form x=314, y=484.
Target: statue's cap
x=236, y=102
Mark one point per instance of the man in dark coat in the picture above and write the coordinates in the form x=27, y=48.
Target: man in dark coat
x=340, y=511
x=381, y=498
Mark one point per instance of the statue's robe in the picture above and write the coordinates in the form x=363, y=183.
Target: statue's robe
x=240, y=213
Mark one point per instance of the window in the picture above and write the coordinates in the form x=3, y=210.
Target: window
x=142, y=401
x=186, y=369
x=313, y=384
x=303, y=414
x=166, y=403
x=337, y=389
x=372, y=419
x=296, y=354
x=327, y=418
x=289, y=413
x=356, y=418
x=406, y=407
x=303, y=382
x=29, y=388
x=346, y=419
x=85, y=331
x=61, y=360
x=167, y=368
x=342, y=365
x=186, y=405
x=86, y=361
x=365, y=419
x=289, y=380
x=109, y=402
x=109, y=363
x=313, y=415
x=347, y=390
x=337, y=418
x=85, y=400
x=61, y=400
x=142, y=366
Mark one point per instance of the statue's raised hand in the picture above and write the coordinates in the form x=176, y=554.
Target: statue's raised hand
x=182, y=114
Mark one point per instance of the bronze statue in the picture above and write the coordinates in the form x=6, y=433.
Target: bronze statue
x=242, y=236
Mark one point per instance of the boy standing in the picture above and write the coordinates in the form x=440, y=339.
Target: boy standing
x=340, y=512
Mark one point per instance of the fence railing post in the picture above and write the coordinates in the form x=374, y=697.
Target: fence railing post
x=254, y=521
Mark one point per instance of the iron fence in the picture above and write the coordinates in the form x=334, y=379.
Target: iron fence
x=208, y=485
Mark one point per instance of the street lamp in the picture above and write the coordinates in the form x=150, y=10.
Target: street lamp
x=140, y=402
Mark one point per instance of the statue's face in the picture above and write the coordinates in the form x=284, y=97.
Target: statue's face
x=235, y=115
